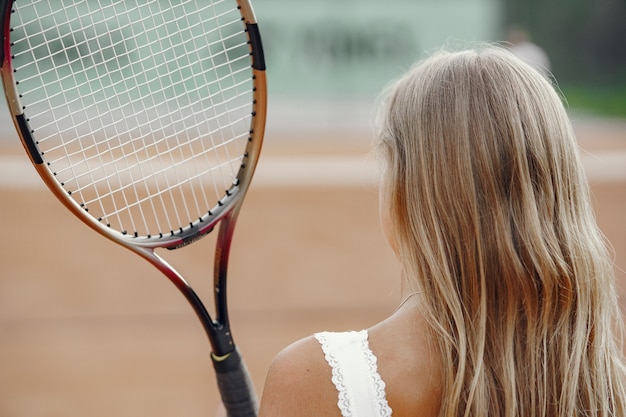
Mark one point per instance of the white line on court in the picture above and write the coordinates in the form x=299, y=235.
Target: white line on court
x=339, y=171
x=605, y=166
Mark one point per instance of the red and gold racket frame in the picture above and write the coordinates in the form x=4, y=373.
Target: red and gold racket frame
x=224, y=354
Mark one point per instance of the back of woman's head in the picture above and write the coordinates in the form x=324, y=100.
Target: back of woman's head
x=492, y=223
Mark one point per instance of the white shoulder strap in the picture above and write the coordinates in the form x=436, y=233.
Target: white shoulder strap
x=355, y=374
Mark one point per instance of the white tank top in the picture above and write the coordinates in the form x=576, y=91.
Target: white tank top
x=355, y=375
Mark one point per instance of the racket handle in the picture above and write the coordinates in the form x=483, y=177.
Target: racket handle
x=235, y=385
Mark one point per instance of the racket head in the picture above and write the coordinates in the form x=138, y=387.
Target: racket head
x=145, y=120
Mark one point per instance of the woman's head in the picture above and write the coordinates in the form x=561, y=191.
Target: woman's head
x=490, y=217
x=477, y=145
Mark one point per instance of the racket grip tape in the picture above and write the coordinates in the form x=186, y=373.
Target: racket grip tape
x=235, y=385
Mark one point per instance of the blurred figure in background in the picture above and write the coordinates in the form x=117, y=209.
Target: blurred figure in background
x=521, y=45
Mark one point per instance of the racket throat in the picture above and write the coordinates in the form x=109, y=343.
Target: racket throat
x=222, y=344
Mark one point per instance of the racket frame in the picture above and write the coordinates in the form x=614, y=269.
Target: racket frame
x=226, y=213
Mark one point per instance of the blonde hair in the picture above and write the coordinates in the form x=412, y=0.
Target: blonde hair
x=493, y=225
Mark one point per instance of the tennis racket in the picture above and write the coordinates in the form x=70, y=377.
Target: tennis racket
x=145, y=118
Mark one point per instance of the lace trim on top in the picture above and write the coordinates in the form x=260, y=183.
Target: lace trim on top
x=355, y=374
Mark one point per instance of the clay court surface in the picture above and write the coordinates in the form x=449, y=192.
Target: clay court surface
x=89, y=329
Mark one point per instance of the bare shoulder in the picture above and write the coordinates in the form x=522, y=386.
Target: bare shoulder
x=408, y=363
x=299, y=383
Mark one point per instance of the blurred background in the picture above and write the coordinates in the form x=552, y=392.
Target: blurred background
x=342, y=53
x=89, y=329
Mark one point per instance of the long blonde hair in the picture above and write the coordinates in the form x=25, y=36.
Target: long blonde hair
x=493, y=225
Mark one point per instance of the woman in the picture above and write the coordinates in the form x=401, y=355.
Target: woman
x=509, y=305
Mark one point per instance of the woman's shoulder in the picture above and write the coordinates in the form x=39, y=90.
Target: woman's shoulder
x=299, y=382
x=408, y=363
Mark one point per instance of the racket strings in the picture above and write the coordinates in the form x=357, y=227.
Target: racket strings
x=141, y=109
